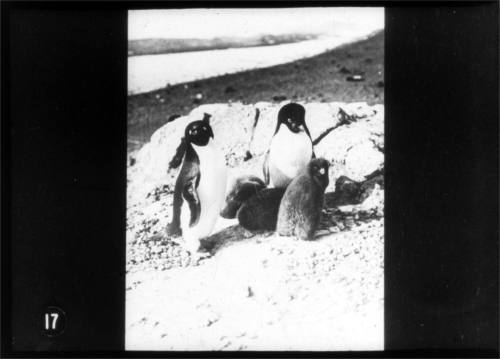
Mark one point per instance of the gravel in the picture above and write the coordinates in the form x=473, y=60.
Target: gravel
x=260, y=291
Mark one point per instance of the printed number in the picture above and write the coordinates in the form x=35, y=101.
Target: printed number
x=53, y=321
x=54, y=317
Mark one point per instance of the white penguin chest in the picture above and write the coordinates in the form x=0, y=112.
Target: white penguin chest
x=289, y=153
x=211, y=190
x=212, y=183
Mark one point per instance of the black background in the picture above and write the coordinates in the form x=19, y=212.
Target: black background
x=64, y=176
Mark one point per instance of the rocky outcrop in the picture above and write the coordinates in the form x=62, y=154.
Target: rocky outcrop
x=353, y=149
x=271, y=274
x=349, y=135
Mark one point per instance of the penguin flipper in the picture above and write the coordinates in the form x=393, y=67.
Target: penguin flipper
x=313, y=156
x=265, y=168
x=190, y=194
x=174, y=227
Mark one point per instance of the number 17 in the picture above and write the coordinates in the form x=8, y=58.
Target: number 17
x=54, y=320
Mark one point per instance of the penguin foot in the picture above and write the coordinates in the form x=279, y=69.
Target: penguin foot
x=178, y=240
x=192, y=247
x=198, y=256
x=174, y=230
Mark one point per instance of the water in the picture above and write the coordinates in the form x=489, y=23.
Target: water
x=152, y=72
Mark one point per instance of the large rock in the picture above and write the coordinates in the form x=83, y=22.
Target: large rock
x=354, y=150
x=351, y=139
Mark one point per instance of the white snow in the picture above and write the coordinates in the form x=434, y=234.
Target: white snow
x=260, y=291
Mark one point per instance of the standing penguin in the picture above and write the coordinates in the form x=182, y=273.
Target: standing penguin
x=300, y=209
x=291, y=147
x=200, y=186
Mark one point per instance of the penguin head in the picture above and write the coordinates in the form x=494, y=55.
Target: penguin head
x=292, y=115
x=199, y=132
x=243, y=188
x=318, y=169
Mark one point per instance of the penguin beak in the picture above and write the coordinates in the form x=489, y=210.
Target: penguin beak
x=297, y=128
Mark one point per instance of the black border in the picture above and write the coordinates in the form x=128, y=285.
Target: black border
x=406, y=64
x=70, y=133
x=5, y=248
x=442, y=177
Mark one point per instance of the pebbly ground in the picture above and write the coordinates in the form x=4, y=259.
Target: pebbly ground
x=260, y=291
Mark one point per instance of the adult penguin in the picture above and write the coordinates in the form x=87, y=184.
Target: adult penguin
x=291, y=147
x=200, y=187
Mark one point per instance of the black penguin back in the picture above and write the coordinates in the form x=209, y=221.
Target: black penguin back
x=260, y=212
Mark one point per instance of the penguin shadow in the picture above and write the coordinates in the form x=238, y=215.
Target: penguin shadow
x=348, y=192
x=237, y=233
x=228, y=236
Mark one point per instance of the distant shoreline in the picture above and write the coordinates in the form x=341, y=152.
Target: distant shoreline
x=144, y=47
x=153, y=72
x=322, y=78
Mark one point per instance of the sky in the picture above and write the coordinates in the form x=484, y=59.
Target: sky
x=210, y=23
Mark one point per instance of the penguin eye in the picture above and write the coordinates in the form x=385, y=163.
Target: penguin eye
x=289, y=120
x=322, y=171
